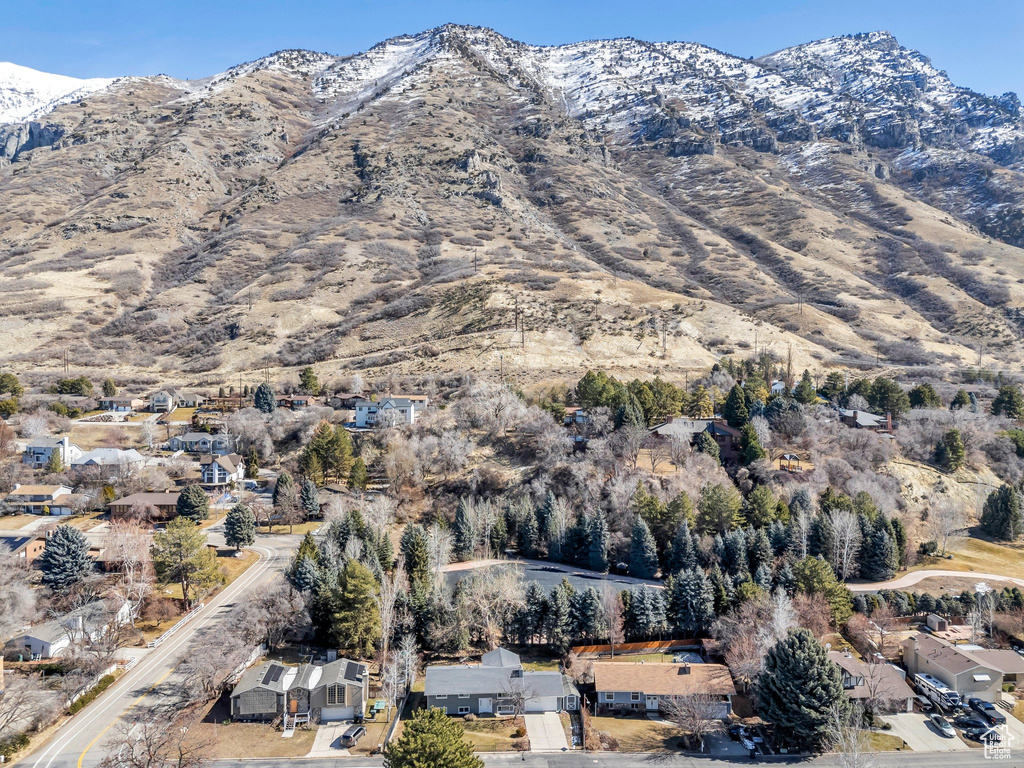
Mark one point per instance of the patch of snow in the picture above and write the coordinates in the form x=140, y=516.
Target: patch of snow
x=27, y=93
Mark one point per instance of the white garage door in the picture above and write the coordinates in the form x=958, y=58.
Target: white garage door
x=327, y=714
x=542, y=704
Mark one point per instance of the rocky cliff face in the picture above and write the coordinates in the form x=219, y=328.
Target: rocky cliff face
x=638, y=200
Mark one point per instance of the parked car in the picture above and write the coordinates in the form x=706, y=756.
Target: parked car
x=988, y=711
x=985, y=735
x=737, y=732
x=942, y=726
x=352, y=735
x=970, y=720
x=924, y=703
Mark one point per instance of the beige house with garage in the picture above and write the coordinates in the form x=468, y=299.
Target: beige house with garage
x=958, y=667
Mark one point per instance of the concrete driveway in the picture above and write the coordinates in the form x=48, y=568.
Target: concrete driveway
x=545, y=732
x=326, y=742
x=920, y=735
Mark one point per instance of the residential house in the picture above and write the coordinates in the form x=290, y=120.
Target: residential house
x=110, y=457
x=344, y=401
x=647, y=687
x=779, y=388
x=307, y=693
x=86, y=624
x=866, y=420
x=121, y=403
x=203, y=442
x=166, y=401
x=681, y=427
x=217, y=471
x=155, y=506
x=498, y=685
x=43, y=499
x=1008, y=663
x=962, y=670
x=576, y=417
x=37, y=453
x=26, y=548
x=728, y=440
x=884, y=684
x=392, y=410
x=295, y=402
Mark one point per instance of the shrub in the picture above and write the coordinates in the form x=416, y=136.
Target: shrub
x=519, y=732
x=470, y=717
x=1009, y=687
x=11, y=745
x=87, y=698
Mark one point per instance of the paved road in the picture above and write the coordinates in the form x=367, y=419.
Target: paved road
x=971, y=759
x=80, y=742
x=914, y=577
x=549, y=574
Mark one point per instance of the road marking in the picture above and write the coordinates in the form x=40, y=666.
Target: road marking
x=113, y=722
x=161, y=654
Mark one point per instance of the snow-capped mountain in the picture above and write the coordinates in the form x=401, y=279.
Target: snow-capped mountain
x=391, y=206
x=27, y=93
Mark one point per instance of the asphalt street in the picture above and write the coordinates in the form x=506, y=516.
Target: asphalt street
x=81, y=741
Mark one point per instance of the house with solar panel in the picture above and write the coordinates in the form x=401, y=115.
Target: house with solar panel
x=308, y=693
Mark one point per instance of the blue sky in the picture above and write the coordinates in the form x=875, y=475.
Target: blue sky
x=978, y=43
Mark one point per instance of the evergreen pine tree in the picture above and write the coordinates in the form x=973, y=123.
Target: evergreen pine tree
x=759, y=550
x=1009, y=402
x=309, y=498
x=720, y=588
x=283, y=488
x=805, y=392
x=464, y=531
x=706, y=444
x=109, y=388
x=309, y=381
x=760, y=506
x=193, y=503
x=357, y=475
x=356, y=621
x=800, y=689
x=65, y=559
x=950, y=451
x=586, y=616
x=54, y=464
x=719, y=508
x=252, y=464
x=533, y=613
x=691, y=603
x=264, y=399
x=960, y=400
x=684, y=550
x=735, y=408
x=598, y=542
x=735, y=561
x=413, y=548
x=527, y=534
x=240, y=527
x=1001, y=517
x=305, y=577
x=750, y=445
x=558, y=622
x=643, y=553
x=310, y=466
x=924, y=396
x=431, y=739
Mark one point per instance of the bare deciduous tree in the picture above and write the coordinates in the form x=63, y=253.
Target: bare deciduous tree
x=25, y=702
x=611, y=608
x=947, y=522
x=845, y=541
x=154, y=739
x=129, y=543
x=387, y=605
x=697, y=713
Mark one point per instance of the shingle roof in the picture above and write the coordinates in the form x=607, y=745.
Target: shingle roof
x=109, y=457
x=478, y=679
x=663, y=679
x=270, y=676
x=154, y=499
x=946, y=655
x=46, y=442
x=887, y=682
x=500, y=657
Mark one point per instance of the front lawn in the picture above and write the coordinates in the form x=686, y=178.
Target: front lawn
x=635, y=734
x=14, y=522
x=879, y=741
x=231, y=568
x=223, y=739
x=493, y=734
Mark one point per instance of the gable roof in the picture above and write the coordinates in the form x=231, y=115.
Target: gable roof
x=109, y=457
x=269, y=677
x=500, y=657
x=663, y=679
x=273, y=676
x=46, y=442
x=863, y=418
x=38, y=490
x=886, y=680
x=230, y=462
x=681, y=427
x=153, y=499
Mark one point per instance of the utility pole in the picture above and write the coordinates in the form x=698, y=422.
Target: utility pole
x=250, y=298
x=517, y=313
x=501, y=368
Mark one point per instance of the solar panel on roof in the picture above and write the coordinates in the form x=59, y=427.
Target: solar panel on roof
x=352, y=672
x=269, y=674
x=278, y=671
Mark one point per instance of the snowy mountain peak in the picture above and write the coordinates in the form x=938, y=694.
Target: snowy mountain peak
x=27, y=93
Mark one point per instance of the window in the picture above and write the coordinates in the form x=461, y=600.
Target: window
x=634, y=697
x=463, y=695
x=442, y=696
x=609, y=696
x=335, y=695
x=463, y=710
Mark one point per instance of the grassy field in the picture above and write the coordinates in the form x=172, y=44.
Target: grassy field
x=980, y=555
x=489, y=734
x=637, y=734
x=299, y=529
x=14, y=522
x=374, y=737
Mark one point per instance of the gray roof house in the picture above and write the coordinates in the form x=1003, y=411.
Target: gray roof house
x=82, y=625
x=306, y=693
x=203, y=442
x=498, y=685
x=109, y=457
x=37, y=453
x=397, y=410
x=216, y=471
